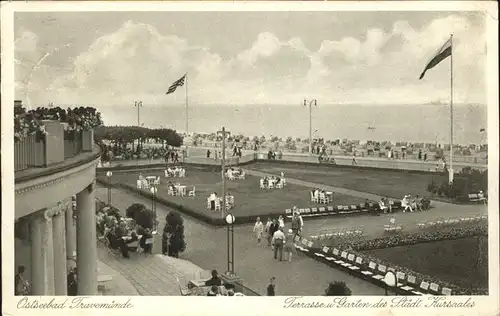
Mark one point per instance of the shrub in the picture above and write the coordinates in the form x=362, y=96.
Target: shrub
x=174, y=227
x=142, y=216
x=338, y=288
x=432, y=187
x=134, y=209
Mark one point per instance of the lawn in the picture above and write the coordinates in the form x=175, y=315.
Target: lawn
x=463, y=262
x=250, y=200
x=394, y=184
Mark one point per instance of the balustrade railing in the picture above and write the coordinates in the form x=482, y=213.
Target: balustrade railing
x=26, y=152
x=40, y=151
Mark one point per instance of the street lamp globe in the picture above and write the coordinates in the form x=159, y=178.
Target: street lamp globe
x=153, y=190
x=230, y=218
x=109, y=174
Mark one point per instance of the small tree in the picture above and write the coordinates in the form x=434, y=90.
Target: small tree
x=174, y=232
x=338, y=288
x=141, y=215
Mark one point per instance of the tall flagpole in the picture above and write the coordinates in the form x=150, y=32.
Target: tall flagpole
x=187, y=119
x=187, y=115
x=450, y=177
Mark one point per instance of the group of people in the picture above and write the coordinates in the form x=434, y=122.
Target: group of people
x=274, y=232
x=217, y=154
x=416, y=203
x=320, y=195
x=172, y=155
x=272, y=182
x=273, y=155
x=231, y=173
x=113, y=152
x=385, y=205
x=175, y=172
x=123, y=235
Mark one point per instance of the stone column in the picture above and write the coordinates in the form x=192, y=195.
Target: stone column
x=70, y=236
x=37, y=262
x=60, y=269
x=86, y=258
x=49, y=254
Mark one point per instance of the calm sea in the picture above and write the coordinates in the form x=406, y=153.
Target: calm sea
x=423, y=123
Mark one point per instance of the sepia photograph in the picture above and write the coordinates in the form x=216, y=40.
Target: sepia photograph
x=251, y=153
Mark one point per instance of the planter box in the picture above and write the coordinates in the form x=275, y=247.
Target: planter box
x=54, y=139
x=87, y=140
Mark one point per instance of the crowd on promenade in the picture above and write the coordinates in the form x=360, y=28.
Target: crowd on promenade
x=113, y=152
x=275, y=235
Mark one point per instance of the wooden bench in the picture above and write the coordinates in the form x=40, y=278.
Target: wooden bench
x=477, y=198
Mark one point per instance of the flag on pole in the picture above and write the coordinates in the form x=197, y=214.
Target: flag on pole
x=178, y=83
x=440, y=55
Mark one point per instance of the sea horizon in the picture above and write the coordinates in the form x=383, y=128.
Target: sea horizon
x=428, y=123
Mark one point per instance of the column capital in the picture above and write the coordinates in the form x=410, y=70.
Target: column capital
x=90, y=188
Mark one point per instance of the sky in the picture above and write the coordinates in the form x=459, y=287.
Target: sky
x=239, y=58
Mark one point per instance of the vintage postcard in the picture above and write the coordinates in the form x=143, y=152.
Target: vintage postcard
x=313, y=157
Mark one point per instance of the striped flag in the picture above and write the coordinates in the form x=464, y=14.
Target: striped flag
x=178, y=83
x=441, y=54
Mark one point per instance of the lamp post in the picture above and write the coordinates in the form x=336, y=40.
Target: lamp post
x=390, y=280
x=109, y=174
x=223, y=133
x=153, y=206
x=310, y=104
x=230, y=244
x=138, y=105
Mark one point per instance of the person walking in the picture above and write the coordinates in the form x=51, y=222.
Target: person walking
x=281, y=222
x=272, y=229
x=297, y=222
x=258, y=229
x=267, y=230
x=289, y=245
x=278, y=241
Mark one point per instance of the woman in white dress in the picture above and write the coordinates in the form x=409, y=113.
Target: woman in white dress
x=281, y=222
x=258, y=229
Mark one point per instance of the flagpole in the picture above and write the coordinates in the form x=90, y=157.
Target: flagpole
x=187, y=118
x=451, y=112
x=187, y=115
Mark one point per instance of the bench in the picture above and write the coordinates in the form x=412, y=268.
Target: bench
x=381, y=268
x=477, y=198
x=424, y=286
x=371, y=266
